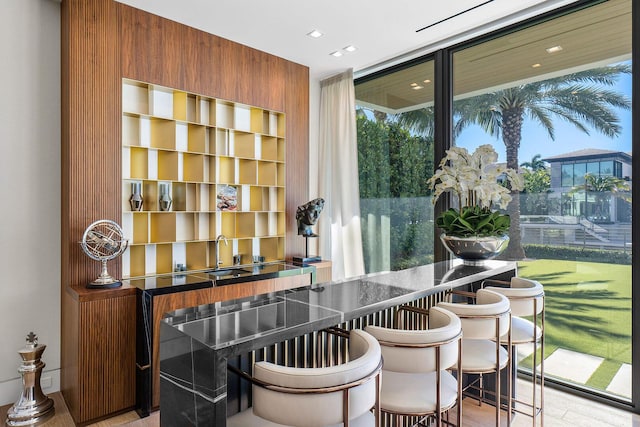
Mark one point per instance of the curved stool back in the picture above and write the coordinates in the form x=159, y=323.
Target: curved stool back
x=414, y=377
x=335, y=395
x=527, y=299
x=483, y=323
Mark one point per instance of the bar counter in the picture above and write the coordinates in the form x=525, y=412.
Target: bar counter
x=197, y=343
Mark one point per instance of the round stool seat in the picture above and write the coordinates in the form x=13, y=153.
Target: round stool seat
x=409, y=393
x=479, y=356
x=522, y=332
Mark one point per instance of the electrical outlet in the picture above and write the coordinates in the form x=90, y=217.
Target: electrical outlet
x=45, y=382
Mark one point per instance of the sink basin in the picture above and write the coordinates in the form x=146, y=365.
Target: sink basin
x=228, y=272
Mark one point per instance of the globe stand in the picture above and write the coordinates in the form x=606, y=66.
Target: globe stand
x=104, y=280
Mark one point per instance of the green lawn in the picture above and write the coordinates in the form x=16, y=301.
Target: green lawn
x=587, y=309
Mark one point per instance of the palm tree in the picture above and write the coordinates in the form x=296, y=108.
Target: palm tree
x=603, y=187
x=578, y=98
x=535, y=164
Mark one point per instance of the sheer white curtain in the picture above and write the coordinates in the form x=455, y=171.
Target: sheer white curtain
x=338, y=177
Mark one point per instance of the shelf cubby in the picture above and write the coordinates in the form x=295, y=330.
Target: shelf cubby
x=269, y=148
x=160, y=102
x=135, y=97
x=247, y=172
x=224, y=114
x=245, y=224
x=226, y=170
x=185, y=227
x=197, y=138
x=261, y=224
x=242, y=117
x=244, y=145
x=193, y=167
x=280, y=175
x=273, y=124
x=267, y=173
x=130, y=130
x=164, y=258
x=138, y=162
x=280, y=206
x=140, y=228
x=204, y=113
x=197, y=255
x=163, y=134
x=202, y=225
x=272, y=248
x=137, y=260
x=281, y=125
x=257, y=120
x=245, y=250
x=163, y=227
x=227, y=224
x=281, y=152
x=184, y=106
x=259, y=198
x=167, y=165
x=222, y=142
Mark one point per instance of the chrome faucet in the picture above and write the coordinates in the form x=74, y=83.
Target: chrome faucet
x=218, y=260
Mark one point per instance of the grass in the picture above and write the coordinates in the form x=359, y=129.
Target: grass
x=587, y=310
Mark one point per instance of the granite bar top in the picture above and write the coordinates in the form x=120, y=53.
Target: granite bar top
x=248, y=323
x=178, y=282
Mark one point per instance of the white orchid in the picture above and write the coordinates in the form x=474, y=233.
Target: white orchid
x=474, y=178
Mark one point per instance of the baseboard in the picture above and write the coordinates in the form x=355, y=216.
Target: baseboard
x=10, y=390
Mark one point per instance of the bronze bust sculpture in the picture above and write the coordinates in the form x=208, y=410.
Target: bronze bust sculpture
x=307, y=215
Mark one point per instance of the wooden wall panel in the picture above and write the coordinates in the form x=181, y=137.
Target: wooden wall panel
x=104, y=41
x=297, y=153
x=91, y=154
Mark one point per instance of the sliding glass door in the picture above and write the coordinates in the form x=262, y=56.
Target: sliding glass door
x=553, y=97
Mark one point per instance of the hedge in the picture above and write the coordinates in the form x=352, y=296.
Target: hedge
x=571, y=253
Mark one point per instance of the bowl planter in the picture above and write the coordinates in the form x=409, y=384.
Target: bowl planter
x=475, y=250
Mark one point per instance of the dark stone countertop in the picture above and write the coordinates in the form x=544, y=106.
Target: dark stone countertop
x=178, y=282
x=264, y=319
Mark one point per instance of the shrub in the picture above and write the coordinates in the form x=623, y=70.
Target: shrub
x=570, y=253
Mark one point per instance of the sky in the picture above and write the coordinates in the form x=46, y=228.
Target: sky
x=568, y=138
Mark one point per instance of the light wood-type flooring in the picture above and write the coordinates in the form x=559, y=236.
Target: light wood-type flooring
x=561, y=410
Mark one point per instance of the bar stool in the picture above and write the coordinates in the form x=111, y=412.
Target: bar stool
x=483, y=323
x=340, y=395
x=527, y=299
x=415, y=380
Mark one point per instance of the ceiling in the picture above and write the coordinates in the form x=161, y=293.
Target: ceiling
x=594, y=36
x=381, y=30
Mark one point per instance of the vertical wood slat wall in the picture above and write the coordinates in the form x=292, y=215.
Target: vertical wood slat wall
x=104, y=41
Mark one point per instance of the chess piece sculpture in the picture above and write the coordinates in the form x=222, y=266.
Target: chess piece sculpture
x=33, y=407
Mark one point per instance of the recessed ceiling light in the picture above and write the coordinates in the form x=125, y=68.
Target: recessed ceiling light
x=554, y=49
x=536, y=65
x=350, y=48
x=414, y=84
x=337, y=53
x=315, y=34
x=418, y=87
x=426, y=81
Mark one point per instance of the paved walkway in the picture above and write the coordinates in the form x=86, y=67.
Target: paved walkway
x=578, y=368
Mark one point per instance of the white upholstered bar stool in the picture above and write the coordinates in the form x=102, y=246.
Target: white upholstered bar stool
x=527, y=300
x=415, y=380
x=483, y=323
x=340, y=395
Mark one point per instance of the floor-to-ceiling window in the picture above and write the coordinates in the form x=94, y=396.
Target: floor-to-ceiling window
x=553, y=96
x=395, y=156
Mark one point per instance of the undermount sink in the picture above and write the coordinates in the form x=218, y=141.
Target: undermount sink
x=228, y=272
